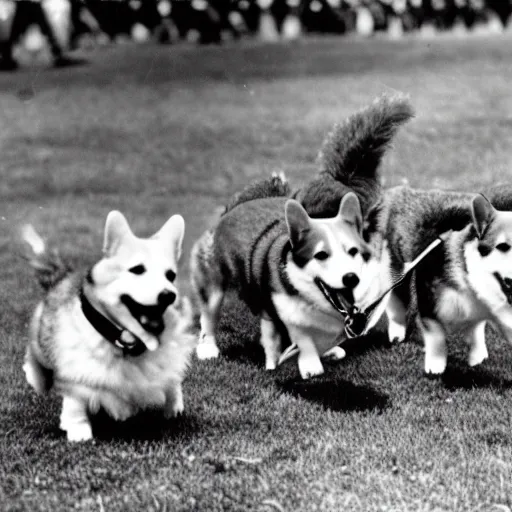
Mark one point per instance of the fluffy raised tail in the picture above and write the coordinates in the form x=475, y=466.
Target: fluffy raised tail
x=48, y=265
x=351, y=155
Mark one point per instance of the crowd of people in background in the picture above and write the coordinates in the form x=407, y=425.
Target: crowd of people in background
x=66, y=23
x=213, y=20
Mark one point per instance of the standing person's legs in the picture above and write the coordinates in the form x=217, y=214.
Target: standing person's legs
x=21, y=20
x=59, y=60
x=42, y=20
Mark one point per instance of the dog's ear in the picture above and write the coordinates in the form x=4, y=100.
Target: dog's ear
x=116, y=229
x=298, y=222
x=171, y=234
x=350, y=211
x=483, y=213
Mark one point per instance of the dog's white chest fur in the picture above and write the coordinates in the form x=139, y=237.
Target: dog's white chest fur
x=455, y=308
x=477, y=297
x=295, y=311
x=91, y=367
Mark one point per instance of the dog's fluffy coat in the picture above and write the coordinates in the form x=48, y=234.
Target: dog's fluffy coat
x=68, y=354
x=463, y=283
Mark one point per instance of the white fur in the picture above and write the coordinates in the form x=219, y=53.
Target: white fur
x=30, y=235
x=396, y=330
x=271, y=343
x=458, y=308
x=477, y=347
x=207, y=346
x=88, y=371
x=313, y=325
x=91, y=373
x=434, y=338
x=334, y=354
x=308, y=360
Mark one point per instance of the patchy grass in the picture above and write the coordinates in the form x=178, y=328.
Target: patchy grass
x=155, y=131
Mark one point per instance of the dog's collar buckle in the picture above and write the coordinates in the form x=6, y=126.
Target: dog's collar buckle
x=355, y=322
x=129, y=343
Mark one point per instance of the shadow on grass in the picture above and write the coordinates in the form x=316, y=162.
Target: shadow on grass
x=336, y=394
x=238, y=335
x=145, y=426
x=464, y=377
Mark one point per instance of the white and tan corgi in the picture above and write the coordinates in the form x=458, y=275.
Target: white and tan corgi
x=114, y=338
x=462, y=284
x=293, y=271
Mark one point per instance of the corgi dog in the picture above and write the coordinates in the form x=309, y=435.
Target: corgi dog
x=298, y=257
x=293, y=271
x=463, y=283
x=115, y=338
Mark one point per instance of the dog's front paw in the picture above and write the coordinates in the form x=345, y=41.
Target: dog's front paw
x=310, y=367
x=478, y=355
x=207, y=347
x=334, y=354
x=270, y=364
x=396, y=332
x=435, y=365
x=79, y=432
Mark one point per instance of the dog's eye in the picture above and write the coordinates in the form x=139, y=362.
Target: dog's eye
x=503, y=247
x=137, y=269
x=353, y=251
x=321, y=255
x=170, y=275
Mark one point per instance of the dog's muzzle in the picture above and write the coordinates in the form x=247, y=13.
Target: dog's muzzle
x=506, y=286
x=150, y=317
x=342, y=300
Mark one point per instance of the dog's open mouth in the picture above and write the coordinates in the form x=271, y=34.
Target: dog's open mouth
x=506, y=286
x=341, y=299
x=150, y=317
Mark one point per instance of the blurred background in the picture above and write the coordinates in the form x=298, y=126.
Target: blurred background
x=85, y=23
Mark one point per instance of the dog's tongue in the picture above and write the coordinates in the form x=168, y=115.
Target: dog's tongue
x=153, y=324
x=345, y=297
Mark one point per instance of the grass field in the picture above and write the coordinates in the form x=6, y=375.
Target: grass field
x=156, y=131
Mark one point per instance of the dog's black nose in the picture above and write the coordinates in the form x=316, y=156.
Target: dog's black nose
x=166, y=298
x=350, y=280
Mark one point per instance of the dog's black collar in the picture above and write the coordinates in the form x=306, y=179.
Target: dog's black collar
x=120, y=338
